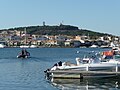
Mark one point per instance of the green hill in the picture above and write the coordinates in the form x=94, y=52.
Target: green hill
x=60, y=30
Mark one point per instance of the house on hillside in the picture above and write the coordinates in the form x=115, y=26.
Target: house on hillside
x=60, y=38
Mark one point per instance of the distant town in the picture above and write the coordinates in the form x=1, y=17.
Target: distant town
x=18, y=37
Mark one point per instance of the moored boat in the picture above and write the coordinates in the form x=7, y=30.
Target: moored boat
x=33, y=46
x=24, y=46
x=111, y=54
x=92, y=67
x=2, y=46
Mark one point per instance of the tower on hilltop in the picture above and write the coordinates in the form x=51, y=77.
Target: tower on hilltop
x=43, y=23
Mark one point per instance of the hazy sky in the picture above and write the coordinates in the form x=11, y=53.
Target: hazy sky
x=96, y=15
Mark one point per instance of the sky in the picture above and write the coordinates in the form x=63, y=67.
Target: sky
x=96, y=15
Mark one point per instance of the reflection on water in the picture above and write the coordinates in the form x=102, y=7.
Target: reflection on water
x=87, y=84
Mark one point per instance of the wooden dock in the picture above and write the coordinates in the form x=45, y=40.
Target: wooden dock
x=75, y=74
x=83, y=72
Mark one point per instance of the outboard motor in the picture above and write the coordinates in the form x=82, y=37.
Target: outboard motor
x=47, y=74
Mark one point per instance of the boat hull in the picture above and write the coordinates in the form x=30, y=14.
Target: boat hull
x=22, y=56
x=91, y=67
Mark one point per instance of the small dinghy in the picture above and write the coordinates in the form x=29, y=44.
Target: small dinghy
x=24, y=54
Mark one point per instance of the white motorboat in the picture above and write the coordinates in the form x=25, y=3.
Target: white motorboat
x=33, y=46
x=24, y=46
x=87, y=64
x=94, y=46
x=2, y=46
x=91, y=64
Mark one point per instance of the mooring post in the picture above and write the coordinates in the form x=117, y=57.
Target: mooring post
x=116, y=67
x=87, y=68
x=81, y=76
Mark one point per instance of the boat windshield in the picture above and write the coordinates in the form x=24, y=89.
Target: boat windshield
x=91, y=58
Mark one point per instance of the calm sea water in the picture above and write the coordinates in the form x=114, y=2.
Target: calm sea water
x=28, y=74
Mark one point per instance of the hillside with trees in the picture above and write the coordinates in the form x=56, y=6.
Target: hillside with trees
x=59, y=30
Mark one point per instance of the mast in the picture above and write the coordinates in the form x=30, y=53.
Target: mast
x=25, y=36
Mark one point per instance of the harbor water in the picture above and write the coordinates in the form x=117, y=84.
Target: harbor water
x=28, y=74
